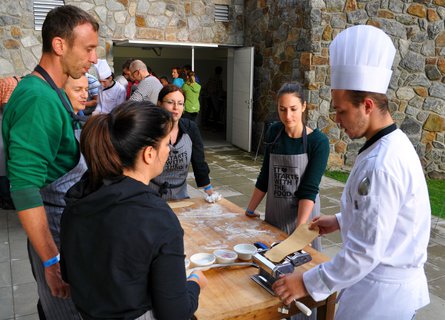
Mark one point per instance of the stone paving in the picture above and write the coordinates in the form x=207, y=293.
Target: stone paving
x=233, y=174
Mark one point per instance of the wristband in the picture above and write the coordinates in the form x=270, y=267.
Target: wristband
x=52, y=261
x=250, y=212
x=193, y=275
x=208, y=187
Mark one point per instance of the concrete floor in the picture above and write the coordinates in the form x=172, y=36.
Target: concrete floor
x=233, y=174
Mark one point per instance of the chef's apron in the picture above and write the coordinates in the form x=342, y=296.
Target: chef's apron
x=54, y=202
x=171, y=183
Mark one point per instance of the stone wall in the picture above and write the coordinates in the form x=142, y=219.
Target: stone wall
x=280, y=32
x=171, y=20
x=417, y=89
x=291, y=39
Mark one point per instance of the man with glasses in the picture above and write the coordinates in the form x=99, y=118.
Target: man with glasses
x=149, y=86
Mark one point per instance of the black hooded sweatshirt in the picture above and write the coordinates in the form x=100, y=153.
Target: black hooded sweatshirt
x=122, y=252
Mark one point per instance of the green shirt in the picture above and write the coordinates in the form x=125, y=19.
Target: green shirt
x=317, y=151
x=191, y=92
x=39, y=140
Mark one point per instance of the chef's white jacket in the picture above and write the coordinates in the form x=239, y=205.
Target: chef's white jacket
x=110, y=98
x=385, y=234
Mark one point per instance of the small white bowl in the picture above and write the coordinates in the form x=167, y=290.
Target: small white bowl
x=187, y=263
x=245, y=250
x=225, y=256
x=202, y=259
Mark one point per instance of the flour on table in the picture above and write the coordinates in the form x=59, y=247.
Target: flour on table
x=213, y=211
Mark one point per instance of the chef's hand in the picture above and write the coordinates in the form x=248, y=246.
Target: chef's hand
x=199, y=278
x=290, y=287
x=213, y=197
x=325, y=224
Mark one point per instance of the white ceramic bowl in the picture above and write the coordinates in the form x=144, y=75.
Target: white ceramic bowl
x=202, y=259
x=187, y=263
x=245, y=250
x=225, y=256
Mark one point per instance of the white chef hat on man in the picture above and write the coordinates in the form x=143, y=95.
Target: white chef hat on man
x=103, y=69
x=361, y=58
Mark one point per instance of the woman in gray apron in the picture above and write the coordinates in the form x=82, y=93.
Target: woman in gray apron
x=294, y=162
x=185, y=147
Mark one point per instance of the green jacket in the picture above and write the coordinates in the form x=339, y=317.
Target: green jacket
x=191, y=92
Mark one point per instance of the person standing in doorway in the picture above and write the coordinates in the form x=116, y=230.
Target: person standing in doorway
x=164, y=81
x=185, y=70
x=385, y=213
x=176, y=75
x=38, y=133
x=191, y=90
x=148, y=87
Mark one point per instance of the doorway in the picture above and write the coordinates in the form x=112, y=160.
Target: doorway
x=220, y=124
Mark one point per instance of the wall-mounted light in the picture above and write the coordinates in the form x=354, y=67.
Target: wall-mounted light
x=158, y=44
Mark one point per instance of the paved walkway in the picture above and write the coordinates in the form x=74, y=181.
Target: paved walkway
x=233, y=174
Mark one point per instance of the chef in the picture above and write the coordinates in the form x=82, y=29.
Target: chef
x=385, y=210
x=111, y=92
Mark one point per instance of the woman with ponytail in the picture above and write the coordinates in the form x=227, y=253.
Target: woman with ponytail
x=122, y=246
x=191, y=90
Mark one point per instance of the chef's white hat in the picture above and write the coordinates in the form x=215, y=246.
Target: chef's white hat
x=103, y=69
x=361, y=58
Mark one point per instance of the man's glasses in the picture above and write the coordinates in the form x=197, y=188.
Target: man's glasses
x=171, y=103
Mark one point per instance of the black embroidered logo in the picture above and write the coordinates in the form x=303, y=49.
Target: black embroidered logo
x=285, y=181
x=176, y=162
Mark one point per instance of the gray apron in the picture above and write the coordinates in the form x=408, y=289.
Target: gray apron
x=146, y=316
x=171, y=183
x=285, y=173
x=54, y=202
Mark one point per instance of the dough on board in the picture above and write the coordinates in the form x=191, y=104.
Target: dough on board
x=296, y=241
x=180, y=204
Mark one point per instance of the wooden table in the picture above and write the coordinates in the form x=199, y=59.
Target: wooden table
x=230, y=293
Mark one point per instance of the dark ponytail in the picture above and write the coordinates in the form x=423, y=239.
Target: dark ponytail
x=111, y=142
x=292, y=88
